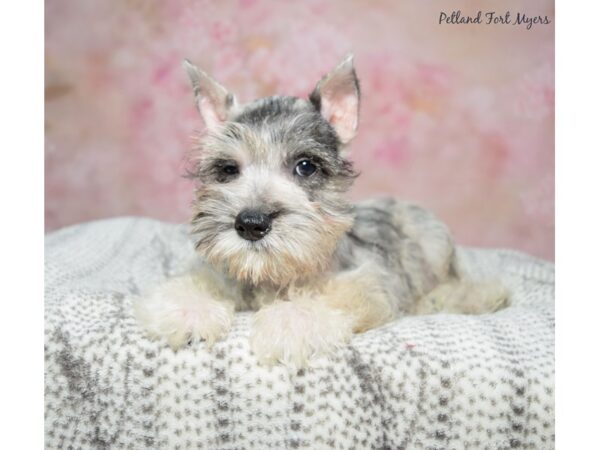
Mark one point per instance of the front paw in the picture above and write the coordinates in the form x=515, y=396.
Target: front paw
x=181, y=312
x=295, y=333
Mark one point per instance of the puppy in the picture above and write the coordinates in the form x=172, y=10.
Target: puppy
x=276, y=234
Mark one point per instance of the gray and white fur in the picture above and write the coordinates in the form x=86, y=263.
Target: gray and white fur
x=276, y=234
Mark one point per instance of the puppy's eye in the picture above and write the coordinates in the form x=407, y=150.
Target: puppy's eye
x=230, y=169
x=305, y=168
x=225, y=171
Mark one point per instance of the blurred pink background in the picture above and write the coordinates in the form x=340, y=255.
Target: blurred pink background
x=459, y=118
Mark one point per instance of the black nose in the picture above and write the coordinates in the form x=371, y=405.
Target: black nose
x=253, y=225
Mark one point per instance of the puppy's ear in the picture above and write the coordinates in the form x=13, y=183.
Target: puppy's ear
x=212, y=100
x=337, y=97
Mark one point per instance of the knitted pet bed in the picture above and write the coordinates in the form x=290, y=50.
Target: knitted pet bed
x=443, y=381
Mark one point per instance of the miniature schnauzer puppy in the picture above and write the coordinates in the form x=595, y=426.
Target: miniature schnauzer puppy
x=276, y=234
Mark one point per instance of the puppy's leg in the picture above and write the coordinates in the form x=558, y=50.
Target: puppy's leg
x=316, y=322
x=293, y=332
x=360, y=293
x=186, y=308
x=464, y=297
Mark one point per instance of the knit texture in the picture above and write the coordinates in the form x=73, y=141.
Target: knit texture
x=428, y=382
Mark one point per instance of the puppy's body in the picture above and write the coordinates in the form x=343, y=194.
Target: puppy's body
x=277, y=236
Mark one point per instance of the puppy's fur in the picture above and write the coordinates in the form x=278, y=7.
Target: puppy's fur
x=318, y=268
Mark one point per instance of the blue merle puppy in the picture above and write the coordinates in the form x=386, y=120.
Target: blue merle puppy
x=276, y=234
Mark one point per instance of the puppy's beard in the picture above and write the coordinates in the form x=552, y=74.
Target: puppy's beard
x=298, y=246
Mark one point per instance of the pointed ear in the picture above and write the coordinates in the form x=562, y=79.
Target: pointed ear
x=212, y=100
x=337, y=97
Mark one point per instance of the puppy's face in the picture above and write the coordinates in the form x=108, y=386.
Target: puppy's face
x=269, y=207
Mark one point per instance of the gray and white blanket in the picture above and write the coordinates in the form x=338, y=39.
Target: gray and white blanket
x=429, y=382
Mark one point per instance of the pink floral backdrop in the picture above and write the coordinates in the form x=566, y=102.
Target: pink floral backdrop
x=459, y=118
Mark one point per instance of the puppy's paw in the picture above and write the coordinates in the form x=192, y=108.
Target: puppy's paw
x=294, y=333
x=181, y=311
x=464, y=297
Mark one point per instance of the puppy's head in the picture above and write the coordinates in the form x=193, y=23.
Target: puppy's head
x=269, y=206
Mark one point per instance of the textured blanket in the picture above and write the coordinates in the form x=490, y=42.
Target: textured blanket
x=429, y=382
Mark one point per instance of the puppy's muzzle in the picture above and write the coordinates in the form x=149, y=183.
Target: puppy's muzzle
x=253, y=225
